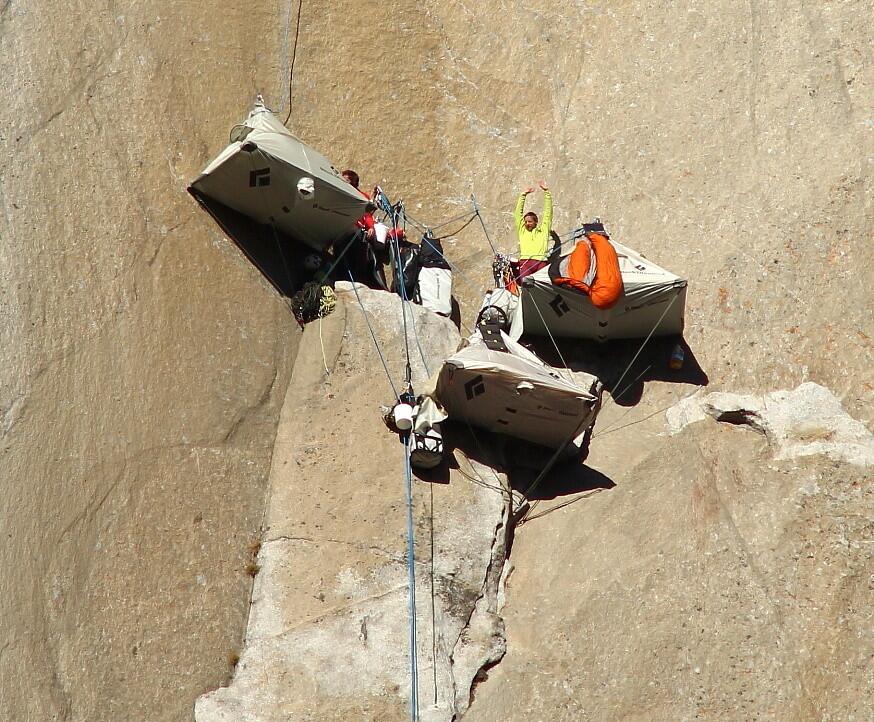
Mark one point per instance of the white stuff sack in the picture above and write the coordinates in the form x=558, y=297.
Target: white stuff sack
x=435, y=289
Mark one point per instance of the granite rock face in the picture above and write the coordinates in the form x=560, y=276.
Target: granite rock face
x=329, y=630
x=806, y=421
x=713, y=582
x=144, y=363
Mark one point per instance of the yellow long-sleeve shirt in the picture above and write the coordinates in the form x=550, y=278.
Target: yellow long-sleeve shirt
x=534, y=244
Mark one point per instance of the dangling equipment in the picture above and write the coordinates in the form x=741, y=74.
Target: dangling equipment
x=313, y=301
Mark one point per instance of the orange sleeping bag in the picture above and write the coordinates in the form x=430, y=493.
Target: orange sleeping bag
x=607, y=286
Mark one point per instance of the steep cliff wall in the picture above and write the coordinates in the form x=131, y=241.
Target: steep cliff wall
x=729, y=142
x=329, y=632
x=144, y=362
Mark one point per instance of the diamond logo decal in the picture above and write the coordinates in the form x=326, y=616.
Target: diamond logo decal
x=474, y=387
x=259, y=178
x=559, y=305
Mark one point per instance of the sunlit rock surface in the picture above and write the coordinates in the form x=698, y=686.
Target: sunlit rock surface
x=329, y=630
x=806, y=421
x=144, y=363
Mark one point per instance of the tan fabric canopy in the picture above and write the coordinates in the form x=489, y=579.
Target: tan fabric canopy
x=513, y=392
x=653, y=298
x=273, y=178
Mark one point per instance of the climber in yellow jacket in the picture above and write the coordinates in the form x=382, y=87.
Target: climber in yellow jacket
x=534, y=236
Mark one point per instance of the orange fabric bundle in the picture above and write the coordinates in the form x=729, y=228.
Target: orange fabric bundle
x=607, y=286
x=578, y=267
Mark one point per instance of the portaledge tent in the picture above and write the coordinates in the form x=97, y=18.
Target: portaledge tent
x=653, y=300
x=271, y=177
x=513, y=392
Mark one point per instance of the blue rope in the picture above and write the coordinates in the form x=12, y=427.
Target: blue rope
x=411, y=574
x=394, y=212
x=400, y=280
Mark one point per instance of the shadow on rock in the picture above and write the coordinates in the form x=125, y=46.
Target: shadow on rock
x=623, y=370
x=455, y=314
x=521, y=461
x=439, y=474
x=475, y=445
x=479, y=445
x=570, y=476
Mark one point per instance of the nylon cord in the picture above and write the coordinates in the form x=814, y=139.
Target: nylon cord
x=451, y=220
x=418, y=343
x=649, y=336
x=457, y=231
x=293, y=56
x=562, y=447
x=584, y=495
x=355, y=237
x=482, y=223
x=433, y=600
x=400, y=281
x=545, y=471
x=546, y=326
x=373, y=336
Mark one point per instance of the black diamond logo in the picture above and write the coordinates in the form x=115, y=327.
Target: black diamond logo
x=559, y=305
x=259, y=178
x=474, y=387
